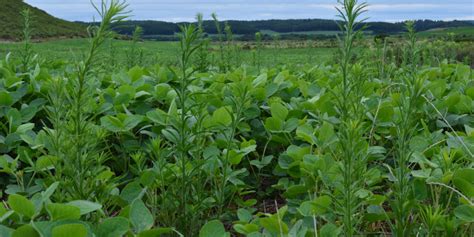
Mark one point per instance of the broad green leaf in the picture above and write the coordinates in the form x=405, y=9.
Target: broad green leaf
x=463, y=179
x=376, y=200
x=121, y=123
x=21, y=205
x=131, y=122
x=329, y=230
x=306, y=208
x=27, y=113
x=156, y=232
x=437, y=87
x=157, y=116
x=69, y=230
x=5, y=99
x=46, y=162
x=140, y=216
x=465, y=213
x=213, y=228
x=273, y=124
x=127, y=90
x=452, y=100
x=132, y=192
x=260, y=80
x=222, y=117
x=274, y=226
x=318, y=206
x=113, y=227
x=235, y=157
x=326, y=132
x=306, y=133
x=14, y=117
x=279, y=111
x=470, y=92
x=85, y=206
x=148, y=177
x=25, y=231
x=246, y=228
x=25, y=128
x=63, y=212
x=5, y=231
x=112, y=123
x=135, y=73
x=295, y=190
x=244, y=215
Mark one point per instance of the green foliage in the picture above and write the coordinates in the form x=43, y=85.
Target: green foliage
x=213, y=228
x=346, y=147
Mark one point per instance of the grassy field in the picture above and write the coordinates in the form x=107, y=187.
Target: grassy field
x=156, y=52
x=459, y=31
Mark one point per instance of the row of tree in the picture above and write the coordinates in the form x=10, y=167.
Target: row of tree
x=160, y=28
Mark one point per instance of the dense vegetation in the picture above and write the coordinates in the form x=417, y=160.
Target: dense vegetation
x=375, y=141
x=46, y=26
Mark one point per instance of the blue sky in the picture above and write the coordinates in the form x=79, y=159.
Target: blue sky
x=185, y=10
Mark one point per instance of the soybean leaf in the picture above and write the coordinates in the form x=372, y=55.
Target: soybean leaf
x=155, y=232
x=63, y=212
x=222, y=117
x=279, y=111
x=465, y=213
x=85, y=206
x=140, y=216
x=463, y=179
x=21, y=205
x=69, y=230
x=213, y=228
x=5, y=231
x=25, y=231
x=113, y=227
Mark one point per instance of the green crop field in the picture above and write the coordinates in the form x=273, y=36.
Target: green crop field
x=217, y=138
x=156, y=52
x=446, y=31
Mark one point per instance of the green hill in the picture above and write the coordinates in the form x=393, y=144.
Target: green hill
x=43, y=24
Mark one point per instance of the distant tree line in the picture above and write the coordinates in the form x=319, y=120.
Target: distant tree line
x=245, y=30
x=280, y=26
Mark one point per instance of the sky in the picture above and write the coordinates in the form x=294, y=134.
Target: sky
x=185, y=10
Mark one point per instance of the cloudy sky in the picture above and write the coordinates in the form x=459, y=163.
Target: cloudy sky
x=185, y=10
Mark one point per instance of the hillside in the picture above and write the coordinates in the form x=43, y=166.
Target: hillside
x=44, y=25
